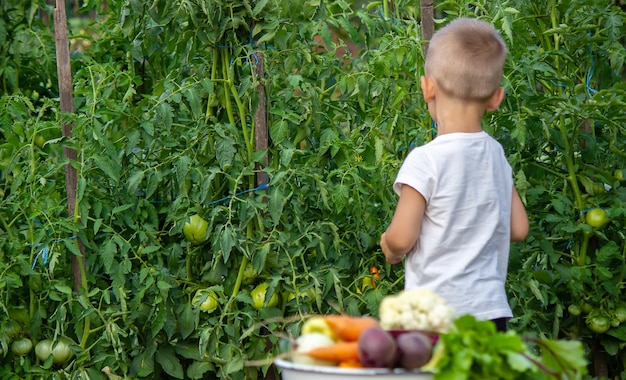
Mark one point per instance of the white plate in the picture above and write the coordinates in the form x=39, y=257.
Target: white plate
x=295, y=371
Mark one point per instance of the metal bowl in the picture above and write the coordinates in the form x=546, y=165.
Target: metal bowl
x=295, y=371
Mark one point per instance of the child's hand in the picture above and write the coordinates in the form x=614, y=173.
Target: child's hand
x=391, y=258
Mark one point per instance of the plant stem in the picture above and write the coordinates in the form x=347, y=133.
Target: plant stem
x=238, y=282
x=229, y=106
x=582, y=254
x=209, y=107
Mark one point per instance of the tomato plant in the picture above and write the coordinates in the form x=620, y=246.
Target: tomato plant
x=162, y=127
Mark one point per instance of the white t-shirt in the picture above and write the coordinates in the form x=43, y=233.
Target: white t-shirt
x=462, y=252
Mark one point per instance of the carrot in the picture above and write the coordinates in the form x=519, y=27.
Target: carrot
x=350, y=364
x=339, y=352
x=349, y=328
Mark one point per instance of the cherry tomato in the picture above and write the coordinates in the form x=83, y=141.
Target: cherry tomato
x=619, y=175
x=596, y=218
x=258, y=297
x=375, y=272
x=195, y=229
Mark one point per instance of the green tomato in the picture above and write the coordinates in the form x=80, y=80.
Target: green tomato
x=22, y=346
x=597, y=188
x=249, y=274
x=62, y=352
x=11, y=329
x=598, y=324
x=43, y=349
x=195, y=229
x=596, y=218
x=619, y=175
x=258, y=297
x=620, y=314
x=39, y=141
x=574, y=310
x=206, y=300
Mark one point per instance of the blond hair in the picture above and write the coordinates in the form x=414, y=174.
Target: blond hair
x=466, y=58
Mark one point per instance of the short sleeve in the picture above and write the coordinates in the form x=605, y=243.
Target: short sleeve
x=418, y=172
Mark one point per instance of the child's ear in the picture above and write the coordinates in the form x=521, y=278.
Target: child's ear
x=494, y=100
x=428, y=89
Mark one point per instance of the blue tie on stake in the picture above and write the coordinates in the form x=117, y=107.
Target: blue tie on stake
x=45, y=252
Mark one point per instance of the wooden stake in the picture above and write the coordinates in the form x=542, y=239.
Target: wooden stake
x=428, y=22
x=67, y=105
x=260, y=118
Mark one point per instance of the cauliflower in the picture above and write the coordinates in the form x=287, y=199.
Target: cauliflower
x=416, y=309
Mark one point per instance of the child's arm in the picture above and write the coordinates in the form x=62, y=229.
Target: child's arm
x=402, y=233
x=519, y=219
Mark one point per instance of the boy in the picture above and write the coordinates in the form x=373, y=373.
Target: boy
x=458, y=209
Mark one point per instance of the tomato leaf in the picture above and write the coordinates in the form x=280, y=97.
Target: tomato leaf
x=169, y=362
x=226, y=242
x=197, y=369
x=143, y=364
x=187, y=321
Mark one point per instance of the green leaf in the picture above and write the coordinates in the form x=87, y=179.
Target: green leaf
x=226, y=242
x=340, y=196
x=276, y=204
x=279, y=131
x=169, y=362
x=63, y=289
x=187, y=321
x=134, y=181
x=534, y=288
x=198, y=369
x=235, y=364
x=225, y=151
x=110, y=167
x=143, y=364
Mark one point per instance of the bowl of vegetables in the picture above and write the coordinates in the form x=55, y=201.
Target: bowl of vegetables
x=349, y=347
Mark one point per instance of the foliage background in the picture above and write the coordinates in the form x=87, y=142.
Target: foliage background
x=165, y=97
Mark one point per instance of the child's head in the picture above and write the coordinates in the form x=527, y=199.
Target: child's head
x=466, y=59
